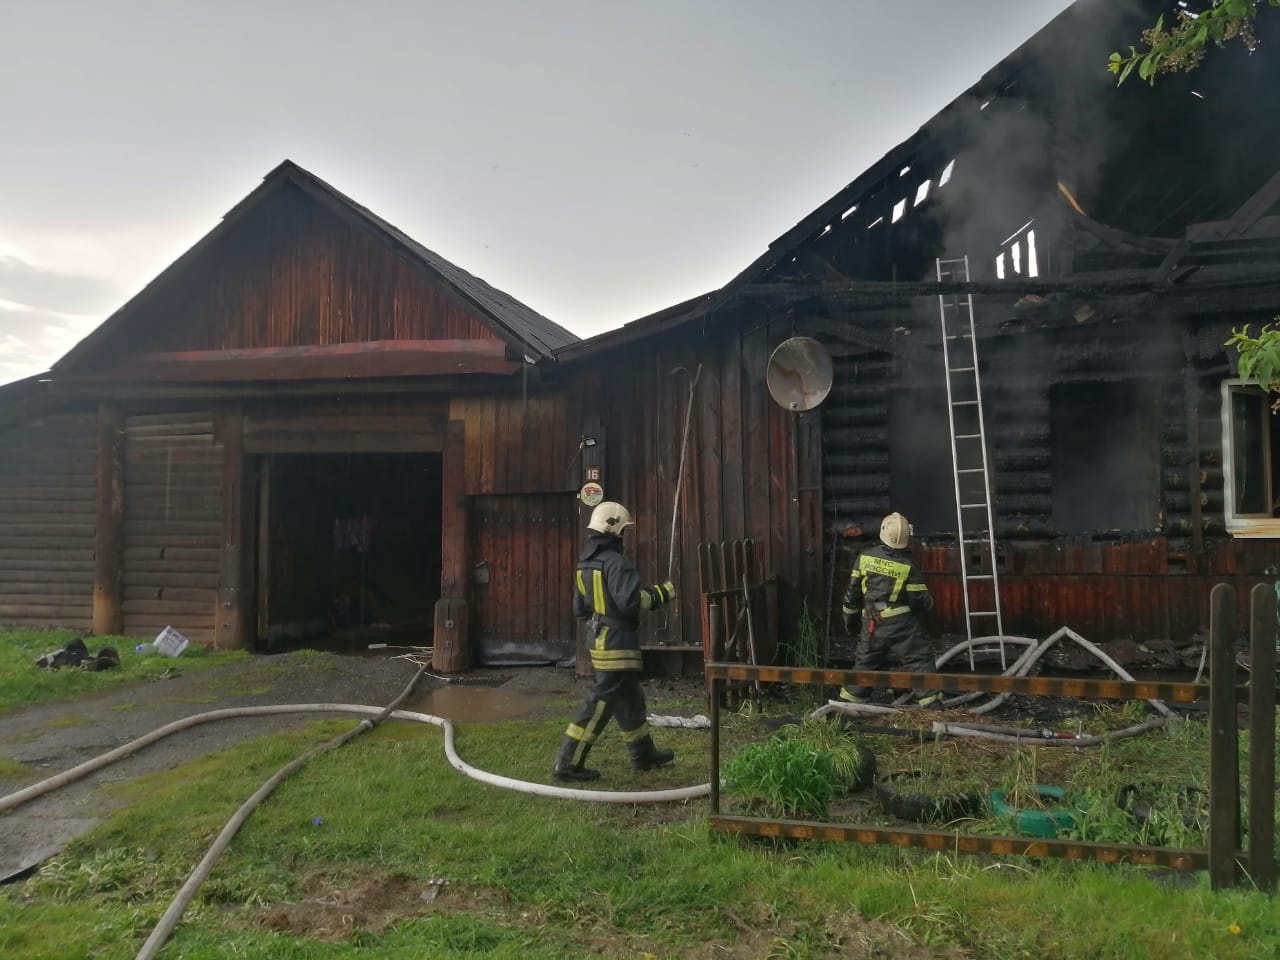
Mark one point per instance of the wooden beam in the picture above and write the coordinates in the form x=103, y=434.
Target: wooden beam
x=1264, y=228
x=455, y=568
x=74, y=388
x=969, y=682
x=344, y=361
x=1224, y=761
x=1083, y=283
x=1262, y=736
x=108, y=541
x=229, y=630
x=953, y=841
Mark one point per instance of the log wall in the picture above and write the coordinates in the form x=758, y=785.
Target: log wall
x=47, y=496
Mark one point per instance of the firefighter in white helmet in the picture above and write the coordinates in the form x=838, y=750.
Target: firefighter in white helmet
x=885, y=603
x=608, y=594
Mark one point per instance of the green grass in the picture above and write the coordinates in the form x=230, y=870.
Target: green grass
x=533, y=877
x=22, y=683
x=527, y=876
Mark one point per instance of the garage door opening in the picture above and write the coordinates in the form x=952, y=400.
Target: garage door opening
x=348, y=550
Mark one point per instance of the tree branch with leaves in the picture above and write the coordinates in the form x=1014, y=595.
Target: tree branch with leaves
x=1258, y=357
x=1181, y=47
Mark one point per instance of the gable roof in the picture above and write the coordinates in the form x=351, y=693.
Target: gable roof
x=522, y=327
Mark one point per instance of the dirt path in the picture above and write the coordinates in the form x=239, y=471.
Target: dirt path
x=55, y=737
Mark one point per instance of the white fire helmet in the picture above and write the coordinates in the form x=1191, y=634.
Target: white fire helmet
x=610, y=517
x=895, y=531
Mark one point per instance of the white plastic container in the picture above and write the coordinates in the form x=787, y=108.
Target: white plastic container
x=170, y=642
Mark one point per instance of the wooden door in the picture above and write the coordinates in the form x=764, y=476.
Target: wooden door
x=522, y=554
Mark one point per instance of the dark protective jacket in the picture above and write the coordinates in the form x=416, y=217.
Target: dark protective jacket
x=884, y=585
x=607, y=592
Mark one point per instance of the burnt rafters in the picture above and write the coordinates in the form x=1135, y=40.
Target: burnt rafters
x=1249, y=216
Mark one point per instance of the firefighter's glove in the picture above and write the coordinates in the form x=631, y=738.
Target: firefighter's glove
x=852, y=621
x=657, y=595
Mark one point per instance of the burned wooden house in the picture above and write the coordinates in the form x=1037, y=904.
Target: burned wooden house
x=1103, y=242
x=312, y=423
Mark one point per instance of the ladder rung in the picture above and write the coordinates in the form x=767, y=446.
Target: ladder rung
x=968, y=436
x=984, y=613
x=979, y=576
x=975, y=541
x=971, y=506
x=964, y=403
x=961, y=370
x=972, y=470
x=960, y=336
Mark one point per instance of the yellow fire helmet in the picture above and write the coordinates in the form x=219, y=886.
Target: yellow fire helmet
x=610, y=517
x=895, y=531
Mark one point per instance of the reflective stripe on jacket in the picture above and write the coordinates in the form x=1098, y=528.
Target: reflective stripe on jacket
x=884, y=583
x=607, y=590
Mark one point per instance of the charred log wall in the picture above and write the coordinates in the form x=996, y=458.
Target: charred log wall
x=1104, y=421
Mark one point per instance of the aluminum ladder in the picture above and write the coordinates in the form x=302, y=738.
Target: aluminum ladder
x=971, y=472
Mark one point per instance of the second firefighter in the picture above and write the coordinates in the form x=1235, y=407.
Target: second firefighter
x=885, y=604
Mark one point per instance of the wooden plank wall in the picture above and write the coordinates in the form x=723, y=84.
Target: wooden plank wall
x=523, y=546
x=521, y=443
x=293, y=273
x=47, y=502
x=738, y=474
x=172, y=524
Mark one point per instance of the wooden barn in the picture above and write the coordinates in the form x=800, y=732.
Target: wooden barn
x=278, y=437
x=310, y=426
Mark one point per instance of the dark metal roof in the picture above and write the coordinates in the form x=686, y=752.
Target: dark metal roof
x=23, y=398
x=522, y=327
x=666, y=319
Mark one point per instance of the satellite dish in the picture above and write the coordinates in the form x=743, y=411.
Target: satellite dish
x=799, y=374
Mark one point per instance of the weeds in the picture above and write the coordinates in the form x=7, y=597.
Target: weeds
x=783, y=777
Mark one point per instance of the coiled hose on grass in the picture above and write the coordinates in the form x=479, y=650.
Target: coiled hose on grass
x=160, y=934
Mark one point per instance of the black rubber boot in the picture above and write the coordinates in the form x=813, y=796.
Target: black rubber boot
x=566, y=769
x=645, y=756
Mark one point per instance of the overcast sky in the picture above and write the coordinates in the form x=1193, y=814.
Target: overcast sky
x=597, y=159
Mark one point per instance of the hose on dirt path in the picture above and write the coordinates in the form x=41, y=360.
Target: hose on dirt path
x=180, y=902
x=30, y=793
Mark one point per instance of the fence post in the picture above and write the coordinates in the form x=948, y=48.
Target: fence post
x=1262, y=735
x=1224, y=761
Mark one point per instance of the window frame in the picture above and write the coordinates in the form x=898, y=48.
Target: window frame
x=1248, y=524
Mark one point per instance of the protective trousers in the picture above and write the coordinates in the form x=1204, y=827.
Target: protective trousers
x=614, y=694
x=895, y=641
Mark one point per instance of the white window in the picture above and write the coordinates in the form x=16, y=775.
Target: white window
x=1250, y=448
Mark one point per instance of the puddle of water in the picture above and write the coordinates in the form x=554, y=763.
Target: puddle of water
x=472, y=704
